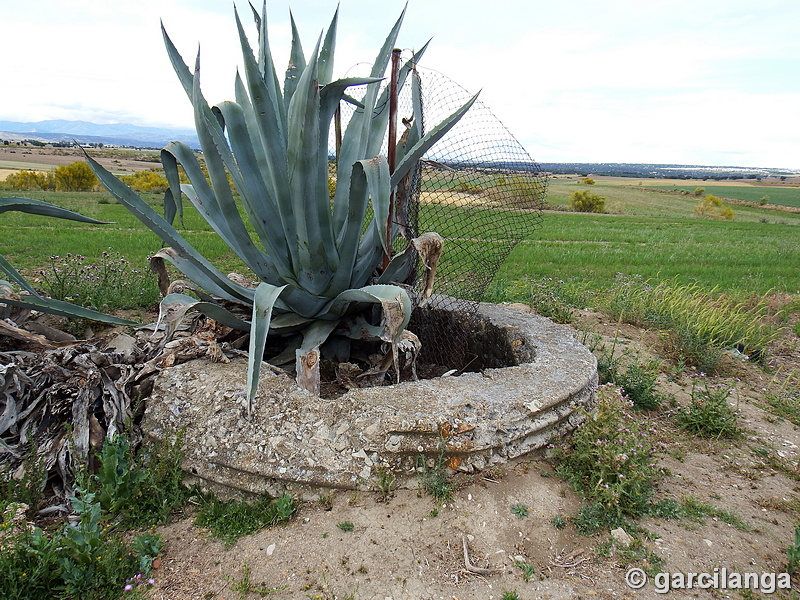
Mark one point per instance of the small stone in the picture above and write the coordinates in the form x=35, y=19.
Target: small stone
x=271, y=549
x=621, y=536
x=708, y=543
x=360, y=454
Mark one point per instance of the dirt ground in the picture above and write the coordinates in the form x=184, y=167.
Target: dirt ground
x=14, y=158
x=402, y=549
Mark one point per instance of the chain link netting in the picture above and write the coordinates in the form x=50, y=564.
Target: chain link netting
x=482, y=192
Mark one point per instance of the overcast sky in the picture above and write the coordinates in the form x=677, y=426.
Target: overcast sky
x=714, y=82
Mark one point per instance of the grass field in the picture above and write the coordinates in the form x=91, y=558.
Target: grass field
x=647, y=233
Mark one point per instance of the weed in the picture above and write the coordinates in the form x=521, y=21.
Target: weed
x=434, y=478
x=244, y=586
x=510, y=595
x=385, y=482
x=117, y=479
x=553, y=299
x=793, y=552
x=85, y=560
x=697, y=511
x=110, y=283
x=346, y=526
x=610, y=461
x=519, y=510
x=700, y=325
x=666, y=509
x=708, y=413
x=527, y=569
x=784, y=401
x=559, y=522
x=230, y=520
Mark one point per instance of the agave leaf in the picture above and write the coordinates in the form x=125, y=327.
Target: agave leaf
x=297, y=64
x=369, y=179
x=62, y=308
x=173, y=201
x=15, y=276
x=258, y=197
x=383, y=294
x=308, y=178
x=45, y=209
x=307, y=356
x=263, y=302
x=174, y=306
x=325, y=63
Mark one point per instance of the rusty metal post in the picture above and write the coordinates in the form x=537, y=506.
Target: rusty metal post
x=391, y=151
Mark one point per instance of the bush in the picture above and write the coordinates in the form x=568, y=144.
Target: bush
x=587, y=181
x=153, y=180
x=30, y=180
x=586, y=201
x=708, y=413
x=712, y=207
x=75, y=177
x=610, y=461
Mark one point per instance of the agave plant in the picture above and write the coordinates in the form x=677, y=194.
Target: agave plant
x=29, y=298
x=318, y=259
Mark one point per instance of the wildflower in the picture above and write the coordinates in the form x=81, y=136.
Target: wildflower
x=128, y=588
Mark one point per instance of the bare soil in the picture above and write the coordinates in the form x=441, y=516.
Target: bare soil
x=15, y=158
x=402, y=549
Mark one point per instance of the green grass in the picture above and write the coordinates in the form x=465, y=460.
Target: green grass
x=649, y=233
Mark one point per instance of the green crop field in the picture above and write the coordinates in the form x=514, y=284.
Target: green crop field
x=647, y=232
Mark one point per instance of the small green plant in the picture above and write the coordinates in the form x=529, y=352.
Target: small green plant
x=510, y=595
x=527, y=569
x=245, y=586
x=708, y=413
x=84, y=560
x=117, y=479
x=385, y=482
x=638, y=380
x=434, y=479
x=695, y=510
x=559, y=522
x=553, y=299
x=611, y=462
x=519, y=510
x=27, y=489
x=230, y=520
x=793, y=552
x=586, y=201
x=346, y=526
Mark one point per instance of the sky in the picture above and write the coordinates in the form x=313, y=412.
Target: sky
x=709, y=82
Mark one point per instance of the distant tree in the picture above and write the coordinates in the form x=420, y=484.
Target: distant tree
x=75, y=177
x=586, y=201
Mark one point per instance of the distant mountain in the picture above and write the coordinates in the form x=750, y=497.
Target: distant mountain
x=120, y=134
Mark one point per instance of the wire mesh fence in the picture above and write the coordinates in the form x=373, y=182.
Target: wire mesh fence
x=482, y=192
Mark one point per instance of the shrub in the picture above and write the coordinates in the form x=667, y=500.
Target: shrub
x=708, y=413
x=152, y=180
x=30, y=180
x=587, y=181
x=610, y=461
x=712, y=207
x=699, y=191
x=75, y=177
x=586, y=201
